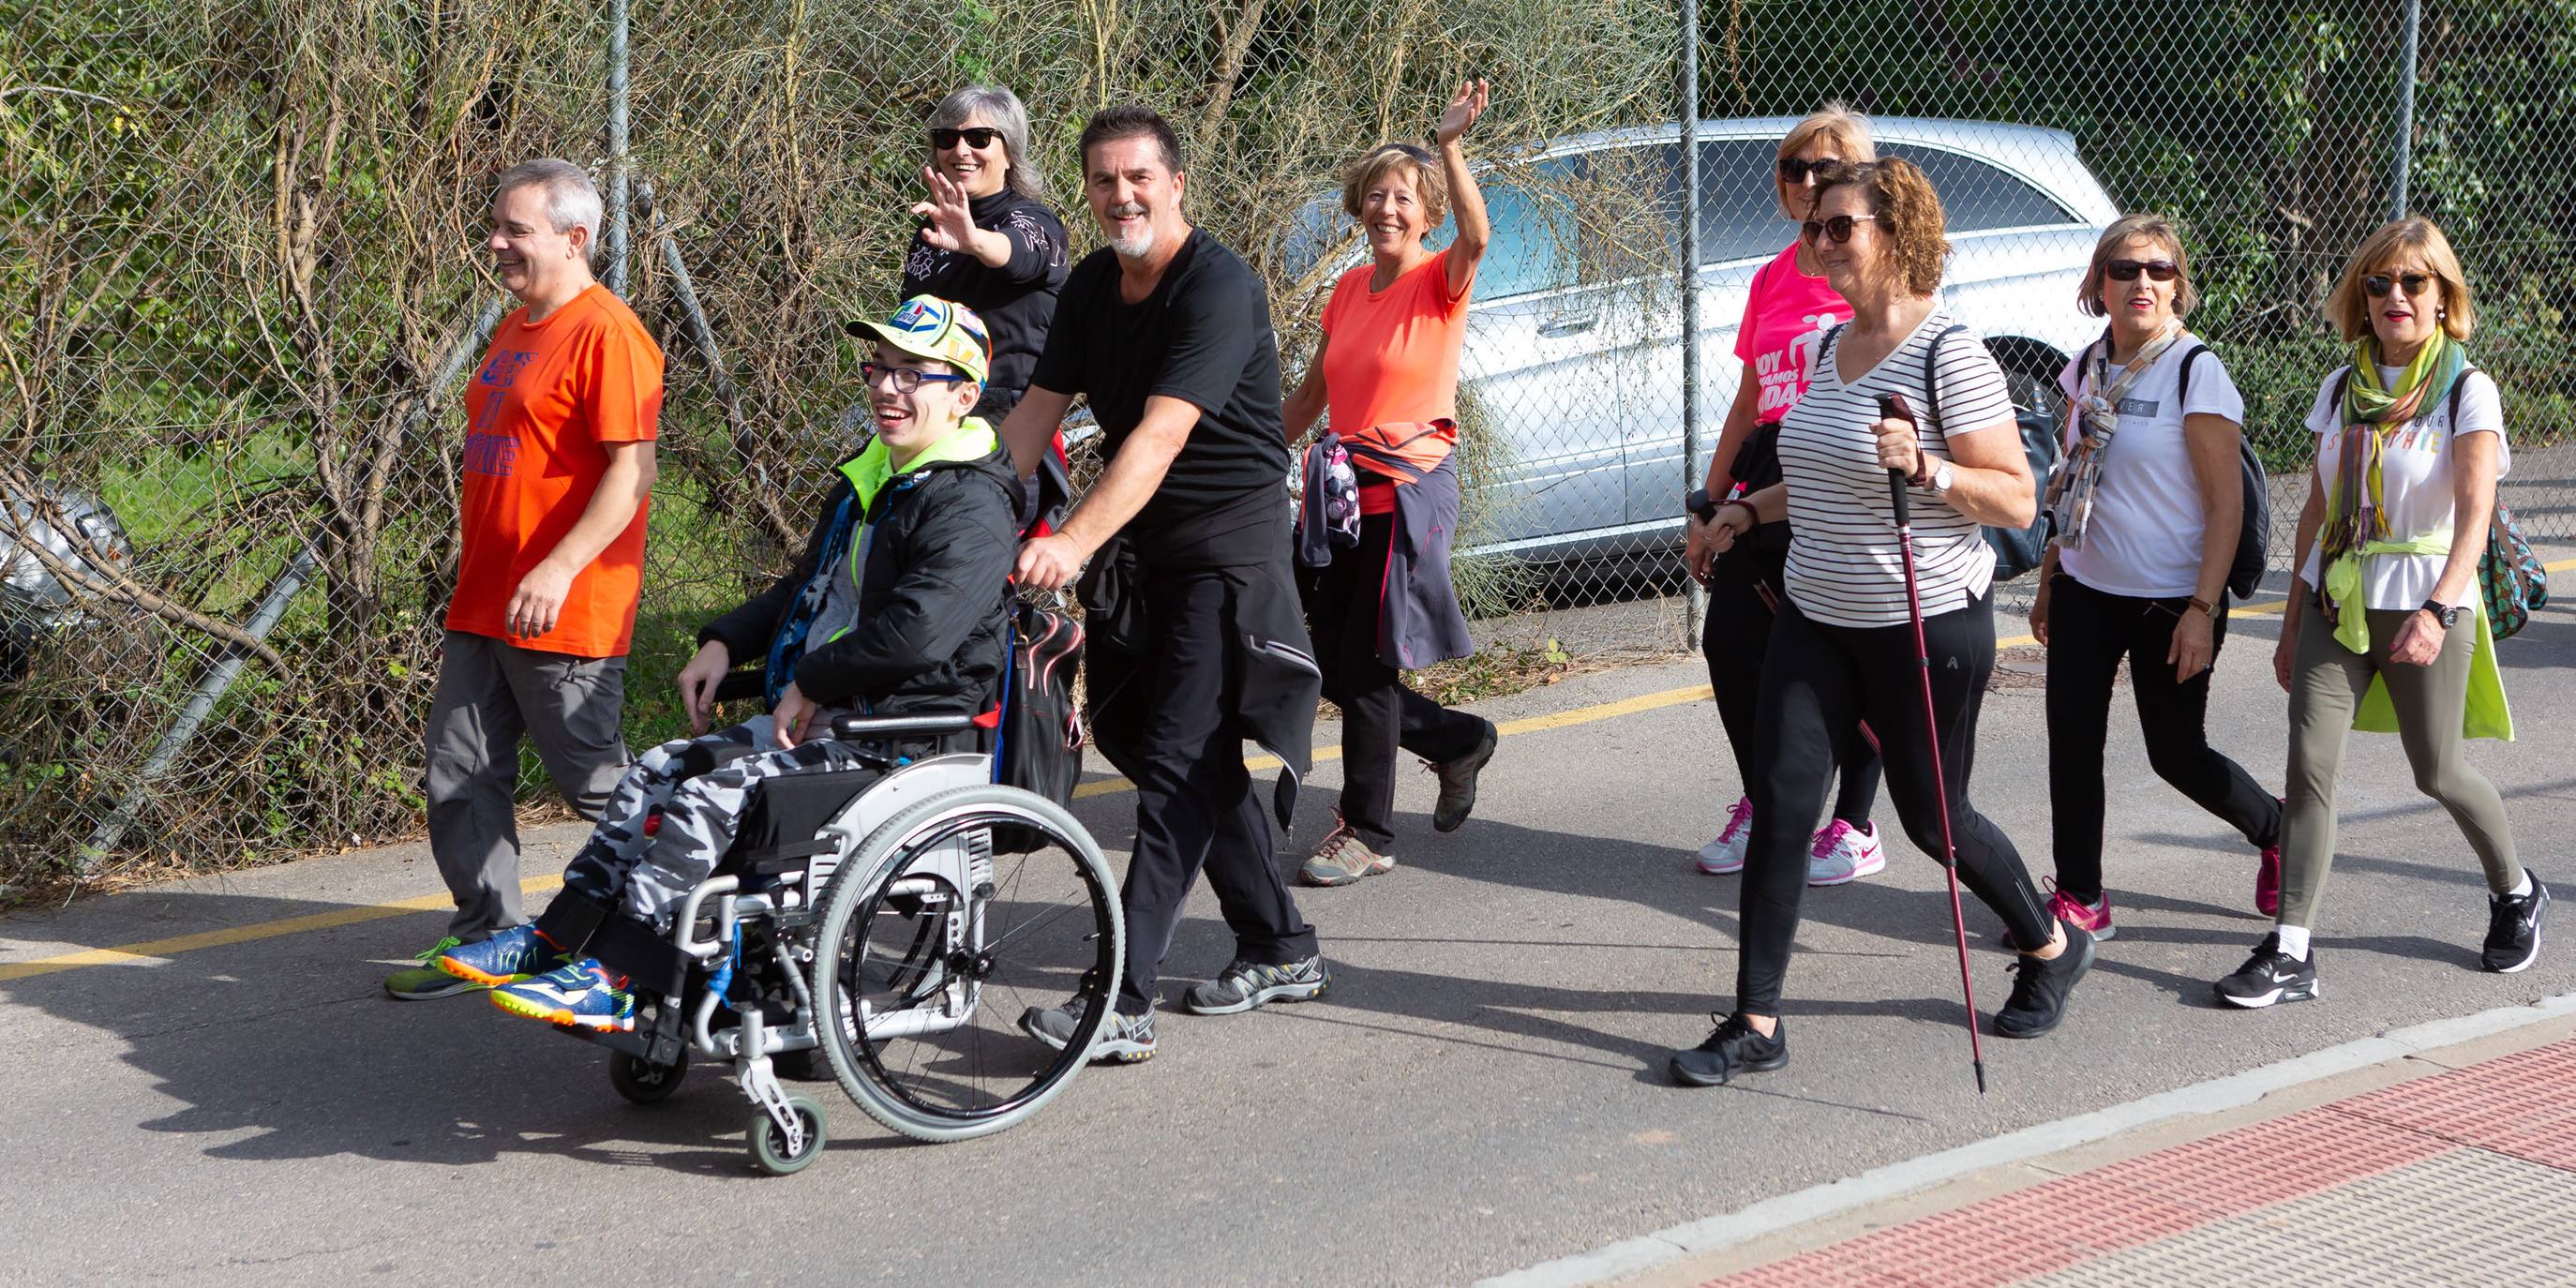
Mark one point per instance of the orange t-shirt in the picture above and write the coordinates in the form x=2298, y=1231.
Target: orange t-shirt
x=548, y=395
x=1391, y=356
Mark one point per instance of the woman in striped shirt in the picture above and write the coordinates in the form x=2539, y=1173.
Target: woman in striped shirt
x=1842, y=649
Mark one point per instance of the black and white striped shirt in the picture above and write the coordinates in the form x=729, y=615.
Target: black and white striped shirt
x=1844, y=565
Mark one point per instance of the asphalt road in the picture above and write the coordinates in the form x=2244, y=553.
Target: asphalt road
x=1482, y=1090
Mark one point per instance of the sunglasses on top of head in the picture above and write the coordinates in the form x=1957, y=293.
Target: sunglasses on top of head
x=1796, y=169
x=2415, y=283
x=978, y=136
x=2127, y=270
x=1838, y=228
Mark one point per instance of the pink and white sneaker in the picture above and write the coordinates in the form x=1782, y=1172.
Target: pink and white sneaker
x=1844, y=853
x=1726, y=854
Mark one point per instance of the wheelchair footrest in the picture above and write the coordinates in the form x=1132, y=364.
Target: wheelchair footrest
x=588, y=927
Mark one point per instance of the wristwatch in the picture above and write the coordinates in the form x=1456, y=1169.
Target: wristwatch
x=1940, y=480
x=2447, y=616
x=1700, y=504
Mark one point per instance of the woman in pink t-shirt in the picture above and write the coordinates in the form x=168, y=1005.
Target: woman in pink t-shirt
x=1386, y=375
x=1790, y=309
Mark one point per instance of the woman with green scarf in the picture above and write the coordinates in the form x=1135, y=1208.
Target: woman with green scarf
x=2386, y=629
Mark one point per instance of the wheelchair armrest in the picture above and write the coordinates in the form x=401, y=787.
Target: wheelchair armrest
x=738, y=685
x=851, y=728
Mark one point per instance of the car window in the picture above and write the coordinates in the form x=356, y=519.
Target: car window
x=1536, y=239
x=1976, y=196
x=1739, y=210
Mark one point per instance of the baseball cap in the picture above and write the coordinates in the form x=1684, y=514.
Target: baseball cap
x=927, y=326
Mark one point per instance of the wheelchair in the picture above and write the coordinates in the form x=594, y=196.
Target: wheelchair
x=894, y=952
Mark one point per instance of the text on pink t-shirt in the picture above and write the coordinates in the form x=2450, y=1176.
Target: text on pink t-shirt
x=1785, y=319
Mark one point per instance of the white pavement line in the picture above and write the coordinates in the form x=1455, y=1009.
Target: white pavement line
x=1772, y=1215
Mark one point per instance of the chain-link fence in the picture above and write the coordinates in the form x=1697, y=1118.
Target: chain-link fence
x=242, y=270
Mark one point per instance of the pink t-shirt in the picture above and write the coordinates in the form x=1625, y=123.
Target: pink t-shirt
x=1785, y=319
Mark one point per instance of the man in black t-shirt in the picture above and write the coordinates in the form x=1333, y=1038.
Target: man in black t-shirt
x=1197, y=642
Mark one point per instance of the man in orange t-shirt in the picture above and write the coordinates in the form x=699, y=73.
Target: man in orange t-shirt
x=557, y=468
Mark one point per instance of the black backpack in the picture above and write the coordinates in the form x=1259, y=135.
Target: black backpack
x=2017, y=550
x=2254, y=518
x=1039, y=746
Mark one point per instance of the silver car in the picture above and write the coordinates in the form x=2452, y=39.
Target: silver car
x=1572, y=362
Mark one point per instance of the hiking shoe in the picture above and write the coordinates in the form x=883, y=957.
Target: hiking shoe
x=2039, y=991
x=581, y=995
x=2095, y=918
x=1245, y=985
x=2513, y=928
x=1342, y=858
x=506, y=958
x=1125, y=1039
x=423, y=982
x=1458, y=783
x=2267, y=876
x=1726, y=853
x=1733, y=1048
x=1843, y=853
x=2269, y=976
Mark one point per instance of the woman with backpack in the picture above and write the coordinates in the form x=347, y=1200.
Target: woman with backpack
x=2386, y=629
x=1790, y=308
x=1842, y=648
x=2148, y=505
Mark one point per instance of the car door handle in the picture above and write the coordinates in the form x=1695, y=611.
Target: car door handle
x=1568, y=324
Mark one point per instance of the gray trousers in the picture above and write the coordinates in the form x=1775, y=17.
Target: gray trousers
x=489, y=693
x=2326, y=685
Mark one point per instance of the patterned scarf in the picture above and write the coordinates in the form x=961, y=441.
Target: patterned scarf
x=2357, y=511
x=2097, y=408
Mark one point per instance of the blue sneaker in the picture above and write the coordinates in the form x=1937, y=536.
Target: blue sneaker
x=506, y=958
x=582, y=995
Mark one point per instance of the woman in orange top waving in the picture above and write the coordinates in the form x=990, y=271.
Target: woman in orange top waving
x=1386, y=376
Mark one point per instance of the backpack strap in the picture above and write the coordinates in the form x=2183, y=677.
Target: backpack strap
x=1931, y=375
x=2456, y=387
x=2182, y=382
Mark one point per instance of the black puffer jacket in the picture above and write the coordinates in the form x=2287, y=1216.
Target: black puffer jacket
x=932, y=588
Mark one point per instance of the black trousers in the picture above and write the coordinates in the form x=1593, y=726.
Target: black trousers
x=2089, y=631
x=1195, y=803
x=1820, y=682
x=1381, y=714
x=1735, y=639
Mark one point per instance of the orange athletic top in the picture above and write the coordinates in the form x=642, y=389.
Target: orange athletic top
x=1391, y=356
x=548, y=395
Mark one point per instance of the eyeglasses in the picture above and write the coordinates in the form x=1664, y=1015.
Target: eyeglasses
x=978, y=136
x=1796, y=169
x=1839, y=228
x=906, y=379
x=2415, y=283
x=2127, y=270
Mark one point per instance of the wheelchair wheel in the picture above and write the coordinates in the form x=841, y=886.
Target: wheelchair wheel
x=940, y=947
x=643, y=1081
x=769, y=1150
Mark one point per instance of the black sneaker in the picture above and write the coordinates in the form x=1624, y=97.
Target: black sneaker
x=1733, y=1048
x=2513, y=928
x=1458, y=783
x=2039, y=991
x=1245, y=985
x=2269, y=976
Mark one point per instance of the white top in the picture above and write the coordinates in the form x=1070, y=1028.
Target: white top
x=2415, y=482
x=1845, y=567
x=2144, y=538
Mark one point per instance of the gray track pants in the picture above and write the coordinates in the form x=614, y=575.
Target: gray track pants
x=2326, y=686
x=489, y=693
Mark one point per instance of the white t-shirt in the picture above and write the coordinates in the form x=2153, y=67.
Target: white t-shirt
x=1845, y=567
x=2145, y=535
x=2414, y=481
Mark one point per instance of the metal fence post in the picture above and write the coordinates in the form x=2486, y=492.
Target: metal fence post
x=618, y=170
x=1695, y=599
x=2405, y=112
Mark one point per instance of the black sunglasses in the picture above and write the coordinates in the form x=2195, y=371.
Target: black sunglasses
x=1796, y=169
x=2378, y=283
x=1839, y=228
x=980, y=136
x=2127, y=270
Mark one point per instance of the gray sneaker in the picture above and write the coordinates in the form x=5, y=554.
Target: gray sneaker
x=1245, y=985
x=1342, y=858
x=1458, y=783
x=1125, y=1039
x=426, y=981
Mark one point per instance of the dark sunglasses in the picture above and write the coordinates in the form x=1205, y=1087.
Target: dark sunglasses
x=1796, y=169
x=2127, y=270
x=2415, y=283
x=979, y=136
x=1839, y=228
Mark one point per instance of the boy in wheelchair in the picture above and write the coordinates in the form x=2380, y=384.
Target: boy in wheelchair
x=896, y=608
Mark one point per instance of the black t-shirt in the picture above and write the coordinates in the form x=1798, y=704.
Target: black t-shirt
x=1017, y=300
x=1204, y=337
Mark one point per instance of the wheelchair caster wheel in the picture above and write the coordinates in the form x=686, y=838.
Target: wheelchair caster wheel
x=769, y=1144
x=643, y=1081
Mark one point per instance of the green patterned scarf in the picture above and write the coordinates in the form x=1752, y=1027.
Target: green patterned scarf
x=2356, y=511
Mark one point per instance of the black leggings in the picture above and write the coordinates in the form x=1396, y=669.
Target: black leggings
x=1735, y=639
x=1821, y=681
x=2089, y=631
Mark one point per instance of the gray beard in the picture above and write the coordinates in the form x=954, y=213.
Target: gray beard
x=1138, y=248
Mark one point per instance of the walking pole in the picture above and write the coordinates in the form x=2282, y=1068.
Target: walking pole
x=1892, y=407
